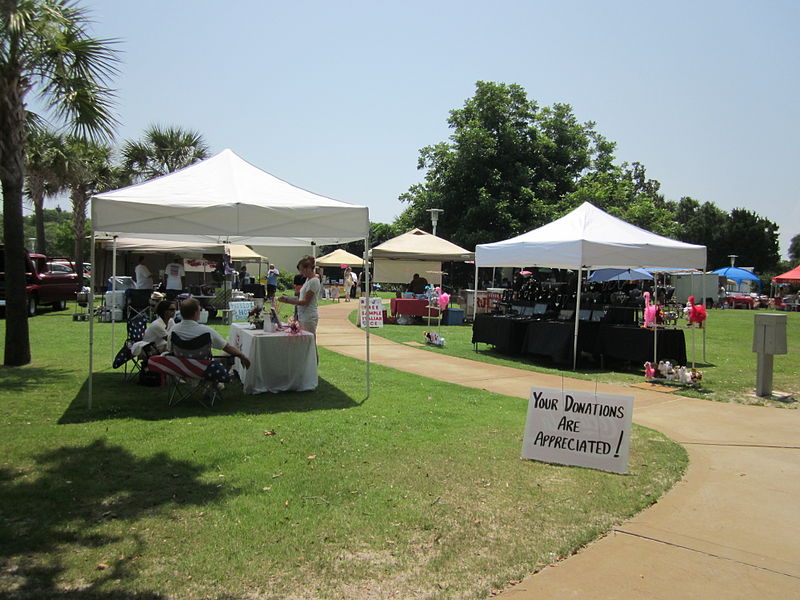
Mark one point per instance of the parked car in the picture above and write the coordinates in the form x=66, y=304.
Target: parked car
x=48, y=282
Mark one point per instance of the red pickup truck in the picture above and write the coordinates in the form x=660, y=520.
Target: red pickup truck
x=45, y=283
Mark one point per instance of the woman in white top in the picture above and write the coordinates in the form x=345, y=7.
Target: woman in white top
x=158, y=331
x=306, y=302
x=348, y=283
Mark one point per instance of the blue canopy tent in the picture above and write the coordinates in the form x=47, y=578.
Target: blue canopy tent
x=738, y=275
x=601, y=275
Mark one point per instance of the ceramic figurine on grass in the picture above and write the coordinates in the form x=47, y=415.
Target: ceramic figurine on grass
x=649, y=371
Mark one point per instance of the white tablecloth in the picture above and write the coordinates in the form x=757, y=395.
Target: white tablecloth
x=280, y=362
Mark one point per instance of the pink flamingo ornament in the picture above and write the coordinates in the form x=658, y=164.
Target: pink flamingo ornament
x=650, y=311
x=697, y=313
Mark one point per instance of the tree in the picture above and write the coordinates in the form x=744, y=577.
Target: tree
x=89, y=171
x=44, y=46
x=45, y=174
x=506, y=169
x=794, y=248
x=162, y=151
x=754, y=239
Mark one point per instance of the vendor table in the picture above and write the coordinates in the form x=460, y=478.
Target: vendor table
x=280, y=361
x=556, y=339
x=506, y=334
x=636, y=344
x=414, y=308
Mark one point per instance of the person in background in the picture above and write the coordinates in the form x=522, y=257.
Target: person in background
x=417, y=285
x=189, y=329
x=272, y=281
x=158, y=331
x=244, y=277
x=144, y=278
x=174, y=274
x=306, y=301
x=348, y=283
x=356, y=278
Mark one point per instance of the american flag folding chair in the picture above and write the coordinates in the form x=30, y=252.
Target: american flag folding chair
x=136, y=329
x=191, y=370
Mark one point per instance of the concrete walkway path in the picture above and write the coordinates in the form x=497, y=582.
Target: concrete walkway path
x=729, y=529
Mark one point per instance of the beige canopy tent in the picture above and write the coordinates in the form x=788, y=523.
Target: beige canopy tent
x=416, y=251
x=340, y=257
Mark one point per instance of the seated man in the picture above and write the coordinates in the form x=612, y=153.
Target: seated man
x=189, y=328
x=417, y=285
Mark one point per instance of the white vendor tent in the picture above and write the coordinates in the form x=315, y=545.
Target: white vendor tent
x=415, y=251
x=226, y=198
x=588, y=238
x=340, y=257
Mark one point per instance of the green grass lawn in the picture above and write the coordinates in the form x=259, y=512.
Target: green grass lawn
x=417, y=491
x=729, y=371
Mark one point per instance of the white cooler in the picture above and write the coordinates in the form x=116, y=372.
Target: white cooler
x=115, y=299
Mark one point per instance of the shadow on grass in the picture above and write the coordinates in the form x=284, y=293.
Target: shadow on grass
x=114, y=398
x=64, y=507
x=28, y=379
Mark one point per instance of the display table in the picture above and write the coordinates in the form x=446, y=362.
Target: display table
x=636, y=344
x=413, y=308
x=506, y=334
x=280, y=361
x=556, y=339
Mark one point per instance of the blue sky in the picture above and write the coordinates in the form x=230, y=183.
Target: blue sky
x=338, y=97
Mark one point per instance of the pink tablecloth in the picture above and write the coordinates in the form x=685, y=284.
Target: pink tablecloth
x=414, y=308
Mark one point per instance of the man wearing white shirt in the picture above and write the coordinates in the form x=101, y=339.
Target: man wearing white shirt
x=174, y=274
x=144, y=278
x=189, y=329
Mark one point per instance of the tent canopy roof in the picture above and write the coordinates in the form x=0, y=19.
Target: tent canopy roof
x=792, y=276
x=590, y=237
x=225, y=196
x=737, y=274
x=236, y=251
x=338, y=258
x=420, y=245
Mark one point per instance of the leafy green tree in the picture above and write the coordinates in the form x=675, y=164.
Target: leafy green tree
x=505, y=170
x=45, y=174
x=162, y=150
x=44, y=46
x=794, y=248
x=754, y=239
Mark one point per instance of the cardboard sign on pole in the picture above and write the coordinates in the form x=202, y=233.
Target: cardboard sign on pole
x=584, y=429
x=375, y=313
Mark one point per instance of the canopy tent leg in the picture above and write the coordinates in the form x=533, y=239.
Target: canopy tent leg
x=577, y=321
x=91, y=320
x=368, y=290
x=113, y=290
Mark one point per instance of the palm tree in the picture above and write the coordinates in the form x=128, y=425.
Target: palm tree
x=44, y=46
x=45, y=175
x=162, y=151
x=88, y=171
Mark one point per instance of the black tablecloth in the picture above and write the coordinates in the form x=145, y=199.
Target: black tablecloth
x=506, y=334
x=636, y=344
x=556, y=339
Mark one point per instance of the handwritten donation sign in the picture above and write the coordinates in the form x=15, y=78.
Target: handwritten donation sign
x=583, y=429
x=374, y=314
x=240, y=310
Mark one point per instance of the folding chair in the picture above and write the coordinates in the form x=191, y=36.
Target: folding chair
x=191, y=370
x=136, y=329
x=138, y=303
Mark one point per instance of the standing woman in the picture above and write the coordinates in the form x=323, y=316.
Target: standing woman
x=348, y=283
x=306, y=302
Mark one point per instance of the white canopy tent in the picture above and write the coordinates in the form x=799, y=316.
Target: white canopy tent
x=226, y=198
x=415, y=251
x=589, y=238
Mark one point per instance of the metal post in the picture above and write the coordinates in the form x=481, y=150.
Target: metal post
x=577, y=321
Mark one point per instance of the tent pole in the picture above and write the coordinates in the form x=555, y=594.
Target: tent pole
x=113, y=290
x=655, y=324
x=577, y=321
x=90, y=305
x=367, y=284
x=475, y=295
